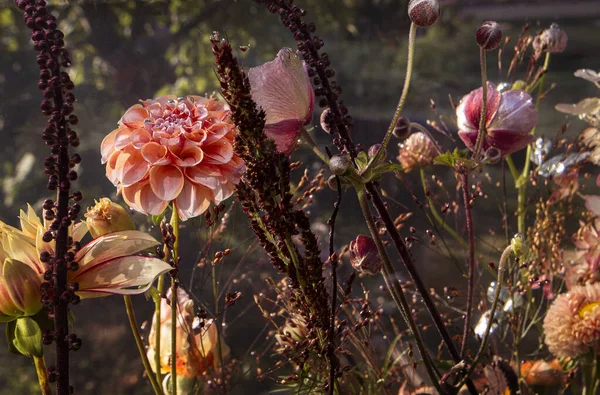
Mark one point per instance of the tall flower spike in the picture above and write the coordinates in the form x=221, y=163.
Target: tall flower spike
x=282, y=88
x=510, y=118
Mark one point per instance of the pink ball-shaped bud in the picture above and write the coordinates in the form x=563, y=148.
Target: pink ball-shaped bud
x=489, y=35
x=424, y=13
x=364, y=256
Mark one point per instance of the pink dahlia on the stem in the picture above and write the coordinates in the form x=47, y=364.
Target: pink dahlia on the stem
x=283, y=90
x=173, y=149
x=510, y=117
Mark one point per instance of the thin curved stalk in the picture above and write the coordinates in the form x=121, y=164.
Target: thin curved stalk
x=42, y=373
x=140, y=345
x=409, y=68
x=309, y=140
x=483, y=116
x=471, y=273
x=157, y=309
x=174, y=305
x=396, y=291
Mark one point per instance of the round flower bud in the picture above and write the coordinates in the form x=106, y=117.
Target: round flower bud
x=364, y=256
x=19, y=290
x=339, y=164
x=402, y=128
x=107, y=216
x=553, y=40
x=416, y=151
x=489, y=35
x=424, y=13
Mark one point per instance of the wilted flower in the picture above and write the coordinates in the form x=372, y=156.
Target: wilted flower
x=283, y=90
x=196, y=343
x=510, y=117
x=19, y=290
x=338, y=164
x=364, y=256
x=553, y=40
x=572, y=323
x=173, y=149
x=106, y=216
x=416, y=151
x=568, y=185
x=106, y=265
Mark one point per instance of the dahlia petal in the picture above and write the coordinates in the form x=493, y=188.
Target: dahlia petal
x=139, y=138
x=189, y=156
x=132, y=167
x=592, y=203
x=166, y=182
x=193, y=200
x=80, y=229
x=22, y=284
x=207, y=175
x=129, y=194
x=112, y=173
x=146, y=199
x=122, y=138
x=129, y=275
x=216, y=131
x=108, y=145
x=223, y=192
x=155, y=154
x=219, y=152
x=197, y=136
x=134, y=116
x=515, y=113
x=282, y=88
x=285, y=134
x=110, y=246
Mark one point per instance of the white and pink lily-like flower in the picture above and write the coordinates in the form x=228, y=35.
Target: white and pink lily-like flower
x=283, y=90
x=510, y=117
x=109, y=264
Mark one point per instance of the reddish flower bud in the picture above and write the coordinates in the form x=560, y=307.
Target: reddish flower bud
x=489, y=35
x=424, y=13
x=402, y=128
x=364, y=256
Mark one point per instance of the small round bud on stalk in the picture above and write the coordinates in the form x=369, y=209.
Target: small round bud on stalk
x=325, y=120
x=492, y=155
x=553, y=40
x=489, y=35
x=364, y=256
x=424, y=13
x=402, y=128
x=416, y=151
x=338, y=164
x=107, y=216
x=374, y=149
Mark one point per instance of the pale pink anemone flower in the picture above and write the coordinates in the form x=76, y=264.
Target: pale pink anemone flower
x=283, y=90
x=572, y=323
x=510, y=117
x=109, y=264
x=173, y=149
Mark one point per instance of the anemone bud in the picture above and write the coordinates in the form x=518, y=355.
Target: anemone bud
x=489, y=35
x=424, y=13
x=339, y=164
x=402, y=128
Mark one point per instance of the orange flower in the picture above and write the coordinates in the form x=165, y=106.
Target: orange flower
x=173, y=149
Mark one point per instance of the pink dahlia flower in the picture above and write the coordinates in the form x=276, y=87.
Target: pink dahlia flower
x=572, y=323
x=173, y=149
x=283, y=90
x=510, y=117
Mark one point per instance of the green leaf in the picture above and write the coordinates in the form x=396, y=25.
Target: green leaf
x=157, y=218
x=362, y=159
x=451, y=159
x=28, y=337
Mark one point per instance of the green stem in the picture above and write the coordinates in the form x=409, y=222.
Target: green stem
x=464, y=179
x=522, y=182
x=218, y=320
x=157, y=308
x=409, y=68
x=512, y=168
x=309, y=140
x=174, y=306
x=140, y=344
x=42, y=373
x=490, y=322
x=590, y=370
x=436, y=215
x=395, y=289
x=483, y=116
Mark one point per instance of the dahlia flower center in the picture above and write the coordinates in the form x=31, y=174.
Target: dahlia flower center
x=587, y=309
x=176, y=118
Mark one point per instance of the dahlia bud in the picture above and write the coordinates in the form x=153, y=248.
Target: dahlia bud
x=106, y=217
x=402, y=128
x=553, y=40
x=364, y=256
x=416, y=151
x=424, y=13
x=338, y=164
x=19, y=290
x=489, y=35
x=374, y=149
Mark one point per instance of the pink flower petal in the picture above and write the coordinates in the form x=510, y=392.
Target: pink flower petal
x=216, y=132
x=282, y=88
x=592, y=203
x=129, y=195
x=151, y=204
x=469, y=109
x=193, y=200
x=128, y=275
x=189, y=156
x=515, y=113
x=139, y=137
x=207, y=175
x=112, y=173
x=166, y=182
x=285, y=134
x=219, y=152
x=155, y=154
x=108, y=145
x=132, y=166
x=508, y=141
x=134, y=117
